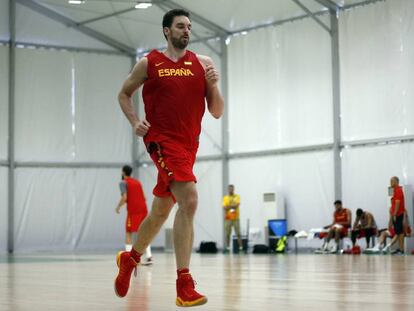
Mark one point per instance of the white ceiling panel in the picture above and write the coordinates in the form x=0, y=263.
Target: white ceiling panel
x=38, y=29
x=141, y=29
x=234, y=15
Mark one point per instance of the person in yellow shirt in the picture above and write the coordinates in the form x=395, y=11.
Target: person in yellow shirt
x=231, y=204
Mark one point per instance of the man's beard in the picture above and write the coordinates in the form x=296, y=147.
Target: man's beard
x=178, y=43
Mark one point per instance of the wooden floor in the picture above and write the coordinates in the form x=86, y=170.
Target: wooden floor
x=231, y=282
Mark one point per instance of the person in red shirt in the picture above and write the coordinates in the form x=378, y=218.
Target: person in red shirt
x=177, y=85
x=342, y=219
x=133, y=197
x=397, y=214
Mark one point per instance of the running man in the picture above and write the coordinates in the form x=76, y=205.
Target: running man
x=177, y=82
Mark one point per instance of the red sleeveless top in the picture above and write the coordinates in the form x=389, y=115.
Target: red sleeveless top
x=341, y=216
x=135, y=197
x=174, y=98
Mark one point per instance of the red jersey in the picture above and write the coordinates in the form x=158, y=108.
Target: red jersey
x=135, y=197
x=341, y=217
x=174, y=98
x=398, y=195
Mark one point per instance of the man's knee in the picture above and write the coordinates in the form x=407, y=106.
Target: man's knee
x=188, y=203
x=161, y=208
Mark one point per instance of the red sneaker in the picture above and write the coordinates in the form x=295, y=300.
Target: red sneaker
x=186, y=294
x=126, y=265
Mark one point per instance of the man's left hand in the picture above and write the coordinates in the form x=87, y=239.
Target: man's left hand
x=212, y=75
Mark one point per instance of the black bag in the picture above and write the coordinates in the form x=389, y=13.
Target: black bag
x=260, y=249
x=208, y=248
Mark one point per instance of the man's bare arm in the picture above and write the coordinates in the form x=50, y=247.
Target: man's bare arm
x=135, y=79
x=215, y=101
x=122, y=202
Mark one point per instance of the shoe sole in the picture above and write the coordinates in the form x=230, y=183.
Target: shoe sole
x=198, y=302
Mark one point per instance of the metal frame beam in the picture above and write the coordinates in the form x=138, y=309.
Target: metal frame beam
x=312, y=15
x=40, y=164
x=81, y=28
x=88, y=21
x=11, y=133
x=378, y=141
x=67, y=48
x=332, y=6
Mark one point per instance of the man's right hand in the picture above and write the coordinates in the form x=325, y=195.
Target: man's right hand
x=141, y=128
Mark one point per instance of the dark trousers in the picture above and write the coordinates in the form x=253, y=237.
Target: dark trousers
x=367, y=233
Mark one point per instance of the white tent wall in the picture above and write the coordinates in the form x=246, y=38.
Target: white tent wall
x=70, y=98
x=366, y=176
x=304, y=180
x=377, y=70
x=67, y=209
x=66, y=103
x=4, y=100
x=4, y=20
x=43, y=101
x=3, y=210
x=102, y=132
x=280, y=90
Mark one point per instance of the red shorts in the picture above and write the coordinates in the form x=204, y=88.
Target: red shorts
x=344, y=233
x=173, y=162
x=133, y=221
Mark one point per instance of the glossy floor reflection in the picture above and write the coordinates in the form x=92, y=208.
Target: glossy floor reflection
x=231, y=282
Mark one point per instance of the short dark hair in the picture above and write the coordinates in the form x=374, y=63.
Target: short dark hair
x=359, y=212
x=338, y=202
x=168, y=18
x=127, y=170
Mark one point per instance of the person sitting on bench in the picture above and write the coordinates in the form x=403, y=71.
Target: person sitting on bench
x=342, y=219
x=364, y=226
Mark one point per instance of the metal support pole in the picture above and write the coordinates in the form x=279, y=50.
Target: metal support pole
x=336, y=100
x=225, y=123
x=11, y=157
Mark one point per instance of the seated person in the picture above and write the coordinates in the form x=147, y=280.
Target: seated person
x=390, y=233
x=364, y=226
x=342, y=219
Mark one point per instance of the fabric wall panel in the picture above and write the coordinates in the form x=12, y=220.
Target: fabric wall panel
x=3, y=209
x=377, y=49
x=4, y=101
x=44, y=105
x=102, y=133
x=279, y=95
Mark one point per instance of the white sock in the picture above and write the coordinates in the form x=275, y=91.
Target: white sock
x=128, y=247
x=148, y=252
